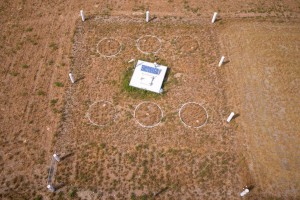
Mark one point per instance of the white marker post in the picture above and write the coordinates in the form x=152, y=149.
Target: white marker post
x=51, y=188
x=132, y=60
x=246, y=191
x=221, y=61
x=71, y=77
x=55, y=156
x=82, y=15
x=230, y=117
x=147, y=16
x=214, y=17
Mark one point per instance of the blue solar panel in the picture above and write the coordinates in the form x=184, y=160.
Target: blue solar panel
x=151, y=70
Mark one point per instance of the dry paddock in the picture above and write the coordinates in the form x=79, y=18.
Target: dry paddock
x=41, y=112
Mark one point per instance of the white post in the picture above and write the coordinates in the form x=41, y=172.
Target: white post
x=214, y=17
x=51, y=188
x=56, y=157
x=82, y=15
x=221, y=61
x=147, y=16
x=132, y=60
x=246, y=191
x=71, y=77
x=230, y=117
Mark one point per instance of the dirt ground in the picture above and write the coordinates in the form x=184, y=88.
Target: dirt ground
x=266, y=75
x=41, y=112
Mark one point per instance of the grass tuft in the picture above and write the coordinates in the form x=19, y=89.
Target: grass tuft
x=53, y=46
x=59, y=84
x=41, y=93
x=25, y=66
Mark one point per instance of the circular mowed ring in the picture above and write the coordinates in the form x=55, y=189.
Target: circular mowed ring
x=186, y=44
x=147, y=41
x=101, y=113
x=148, y=114
x=109, y=47
x=193, y=115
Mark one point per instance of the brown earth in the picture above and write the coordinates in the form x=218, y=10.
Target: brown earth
x=42, y=113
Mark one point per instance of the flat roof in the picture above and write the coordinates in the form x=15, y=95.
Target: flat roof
x=148, y=76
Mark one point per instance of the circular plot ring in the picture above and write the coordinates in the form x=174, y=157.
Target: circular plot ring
x=177, y=39
x=88, y=115
x=112, y=55
x=147, y=36
x=189, y=126
x=148, y=126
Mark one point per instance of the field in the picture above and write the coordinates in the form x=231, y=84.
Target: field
x=117, y=142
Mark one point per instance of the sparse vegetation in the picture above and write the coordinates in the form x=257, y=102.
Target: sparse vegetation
x=51, y=62
x=25, y=66
x=29, y=29
x=73, y=193
x=41, y=93
x=123, y=160
x=53, y=46
x=59, y=84
x=53, y=102
x=14, y=73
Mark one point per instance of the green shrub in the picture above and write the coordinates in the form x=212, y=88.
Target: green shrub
x=54, y=46
x=39, y=197
x=73, y=192
x=41, y=93
x=25, y=66
x=53, y=102
x=51, y=62
x=29, y=29
x=59, y=84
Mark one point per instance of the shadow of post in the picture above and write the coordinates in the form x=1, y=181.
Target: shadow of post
x=161, y=191
x=152, y=19
x=66, y=156
x=59, y=186
x=236, y=116
x=251, y=187
x=218, y=19
x=225, y=62
x=79, y=79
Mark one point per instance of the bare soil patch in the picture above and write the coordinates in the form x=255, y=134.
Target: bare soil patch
x=263, y=78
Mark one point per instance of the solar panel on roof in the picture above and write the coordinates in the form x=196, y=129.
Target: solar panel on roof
x=151, y=70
